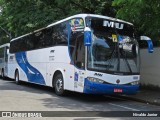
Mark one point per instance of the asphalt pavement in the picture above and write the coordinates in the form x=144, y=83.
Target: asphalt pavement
x=30, y=97
x=145, y=95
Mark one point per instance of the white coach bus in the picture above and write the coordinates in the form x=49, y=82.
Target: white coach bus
x=84, y=53
x=4, y=51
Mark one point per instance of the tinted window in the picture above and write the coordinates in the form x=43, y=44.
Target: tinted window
x=77, y=49
x=35, y=41
x=54, y=35
x=73, y=43
x=18, y=45
x=59, y=34
x=6, y=55
x=47, y=38
x=1, y=52
x=1, y=55
x=80, y=52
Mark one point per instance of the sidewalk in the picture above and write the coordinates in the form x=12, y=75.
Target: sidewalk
x=146, y=96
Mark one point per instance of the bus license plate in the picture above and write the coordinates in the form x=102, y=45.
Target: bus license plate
x=117, y=90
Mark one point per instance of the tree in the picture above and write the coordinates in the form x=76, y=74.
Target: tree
x=22, y=16
x=143, y=13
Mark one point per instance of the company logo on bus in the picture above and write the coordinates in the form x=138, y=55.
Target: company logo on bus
x=112, y=24
x=98, y=74
x=117, y=81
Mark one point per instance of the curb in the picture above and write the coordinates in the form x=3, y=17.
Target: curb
x=139, y=100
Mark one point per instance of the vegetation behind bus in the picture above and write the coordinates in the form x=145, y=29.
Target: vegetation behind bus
x=21, y=17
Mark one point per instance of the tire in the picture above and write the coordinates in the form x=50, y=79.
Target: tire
x=59, y=85
x=16, y=78
x=2, y=74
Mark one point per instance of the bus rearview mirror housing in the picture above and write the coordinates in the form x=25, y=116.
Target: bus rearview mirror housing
x=87, y=36
x=149, y=41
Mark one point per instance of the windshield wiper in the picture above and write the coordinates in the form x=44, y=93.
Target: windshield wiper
x=112, y=55
x=126, y=62
x=118, y=55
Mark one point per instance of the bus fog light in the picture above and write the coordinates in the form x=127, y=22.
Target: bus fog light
x=135, y=83
x=95, y=80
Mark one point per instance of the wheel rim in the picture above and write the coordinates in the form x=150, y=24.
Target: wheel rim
x=59, y=85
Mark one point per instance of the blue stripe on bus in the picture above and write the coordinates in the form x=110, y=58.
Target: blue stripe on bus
x=32, y=73
x=99, y=88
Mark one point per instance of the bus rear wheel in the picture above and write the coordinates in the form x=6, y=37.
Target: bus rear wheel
x=59, y=85
x=2, y=74
x=17, y=77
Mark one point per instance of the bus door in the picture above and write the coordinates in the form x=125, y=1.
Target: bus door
x=79, y=62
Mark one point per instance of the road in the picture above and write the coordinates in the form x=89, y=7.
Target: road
x=29, y=97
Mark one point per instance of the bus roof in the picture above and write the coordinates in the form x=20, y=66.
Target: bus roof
x=89, y=15
x=4, y=45
x=74, y=16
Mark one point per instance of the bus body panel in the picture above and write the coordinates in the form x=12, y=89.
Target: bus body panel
x=99, y=88
x=79, y=77
x=110, y=78
x=47, y=63
x=110, y=83
x=4, y=56
x=12, y=66
x=40, y=65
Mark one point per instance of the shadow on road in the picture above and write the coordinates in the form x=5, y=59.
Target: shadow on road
x=70, y=101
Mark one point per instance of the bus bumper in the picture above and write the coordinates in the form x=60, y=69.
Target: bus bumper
x=99, y=88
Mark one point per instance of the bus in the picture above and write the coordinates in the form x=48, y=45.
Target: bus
x=85, y=53
x=4, y=51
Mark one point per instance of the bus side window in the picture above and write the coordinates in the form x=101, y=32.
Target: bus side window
x=30, y=43
x=48, y=37
x=34, y=41
x=37, y=40
x=20, y=45
x=1, y=54
x=6, y=54
x=60, y=34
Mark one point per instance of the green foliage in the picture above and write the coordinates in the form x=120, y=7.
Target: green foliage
x=22, y=16
x=143, y=13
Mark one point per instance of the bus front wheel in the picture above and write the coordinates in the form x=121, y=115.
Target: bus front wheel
x=59, y=85
x=17, y=77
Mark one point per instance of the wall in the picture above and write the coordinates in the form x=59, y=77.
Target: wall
x=150, y=67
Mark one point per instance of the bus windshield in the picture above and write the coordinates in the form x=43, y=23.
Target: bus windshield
x=114, y=48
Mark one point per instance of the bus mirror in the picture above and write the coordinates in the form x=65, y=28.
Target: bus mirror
x=149, y=41
x=87, y=36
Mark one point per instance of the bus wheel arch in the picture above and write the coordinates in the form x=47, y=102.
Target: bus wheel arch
x=58, y=83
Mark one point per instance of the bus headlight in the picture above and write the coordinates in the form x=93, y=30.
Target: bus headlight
x=95, y=80
x=135, y=83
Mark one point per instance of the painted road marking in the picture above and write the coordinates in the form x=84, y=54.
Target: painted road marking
x=124, y=107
